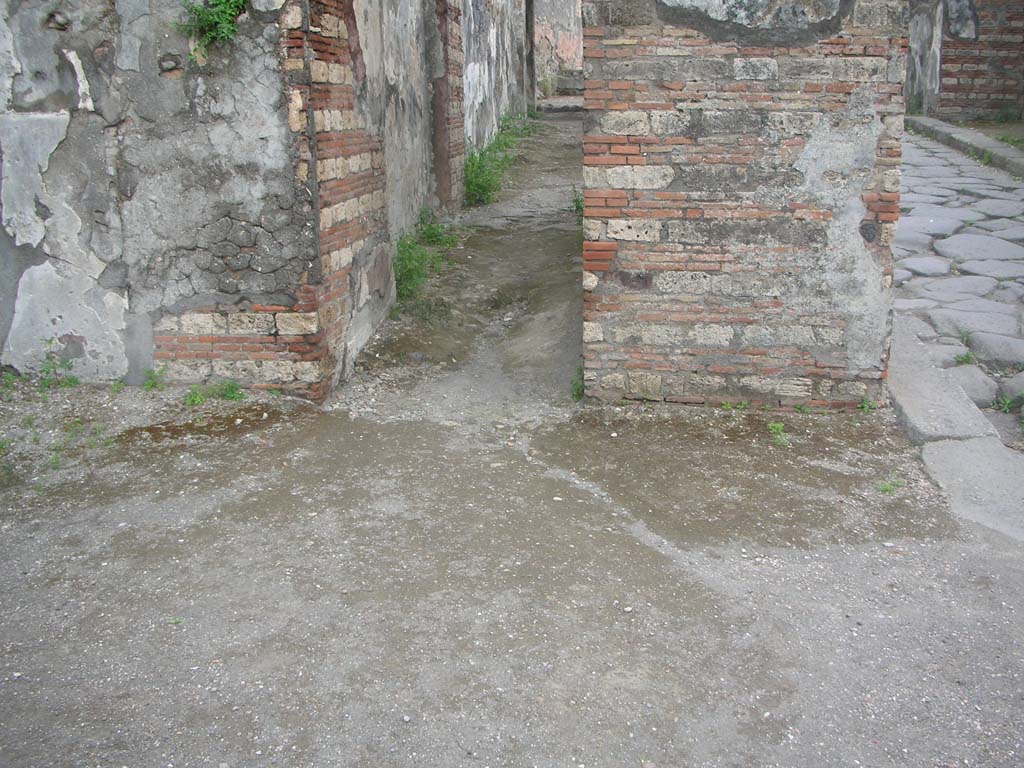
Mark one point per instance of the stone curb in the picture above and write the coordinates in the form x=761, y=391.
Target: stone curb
x=982, y=478
x=971, y=142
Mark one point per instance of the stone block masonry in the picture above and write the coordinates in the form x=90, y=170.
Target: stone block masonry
x=741, y=191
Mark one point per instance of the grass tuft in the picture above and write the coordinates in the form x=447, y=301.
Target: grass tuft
x=209, y=22
x=485, y=169
x=577, y=385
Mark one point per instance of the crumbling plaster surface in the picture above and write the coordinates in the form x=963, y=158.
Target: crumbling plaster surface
x=494, y=34
x=557, y=38
x=837, y=162
x=401, y=51
x=135, y=183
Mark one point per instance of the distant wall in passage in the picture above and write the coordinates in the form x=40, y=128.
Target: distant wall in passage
x=557, y=41
x=494, y=38
x=982, y=73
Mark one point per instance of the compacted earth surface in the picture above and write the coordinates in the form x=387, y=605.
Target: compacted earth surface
x=454, y=564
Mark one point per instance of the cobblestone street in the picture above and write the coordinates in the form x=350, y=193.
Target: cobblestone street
x=959, y=253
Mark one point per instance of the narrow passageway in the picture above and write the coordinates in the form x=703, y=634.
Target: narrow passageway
x=502, y=325
x=455, y=565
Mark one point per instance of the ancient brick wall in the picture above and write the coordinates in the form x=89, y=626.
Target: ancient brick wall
x=232, y=214
x=982, y=69
x=741, y=190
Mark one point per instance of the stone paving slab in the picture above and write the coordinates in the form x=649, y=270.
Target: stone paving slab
x=962, y=240
x=929, y=406
x=983, y=479
x=975, y=247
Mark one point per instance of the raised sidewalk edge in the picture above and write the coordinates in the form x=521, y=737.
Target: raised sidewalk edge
x=970, y=141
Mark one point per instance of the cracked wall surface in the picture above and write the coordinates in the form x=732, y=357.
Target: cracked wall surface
x=131, y=189
x=494, y=34
x=741, y=190
x=233, y=214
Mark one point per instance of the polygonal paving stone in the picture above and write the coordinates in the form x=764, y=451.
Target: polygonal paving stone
x=1001, y=208
x=909, y=305
x=928, y=266
x=941, y=212
x=1013, y=234
x=1008, y=292
x=912, y=241
x=900, y=276
x=997, y=225
x=1013, y=387
x=974, y=286
x=984, y=305
x=1001, y=270
x=950, y=322
x=997, y=349
x=991, y=192
x=978, y=247
x=910, y=199
x=976, y=384
x=926, y=225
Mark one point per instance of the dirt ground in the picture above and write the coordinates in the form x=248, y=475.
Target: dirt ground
x=454, y=564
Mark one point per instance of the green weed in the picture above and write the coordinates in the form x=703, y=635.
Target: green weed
x=485, y=169
x=777, y=430
x=154, y=379
x=226, y=390
x=413, y=264
x=116, y=387
x=577, y=384
x=209, y=22
x=1013, y=141
x=1009, y=113
x=1003, y=404
x=195, y=396
x=55, y=371
x=867, y=406
x=801, y=409
x=432, y=233
x=419, y=254
x=7, y=382
x=890, y=486
x=966, y=358
x=577, y=204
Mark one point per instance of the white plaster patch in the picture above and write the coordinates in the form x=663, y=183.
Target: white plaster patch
x=55, y=300
x=84, y=94
x=27, y=140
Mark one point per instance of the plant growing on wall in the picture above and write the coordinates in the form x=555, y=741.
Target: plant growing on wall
x=209, y=22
